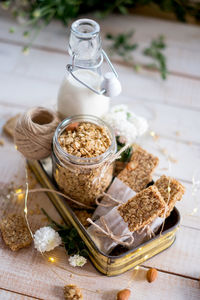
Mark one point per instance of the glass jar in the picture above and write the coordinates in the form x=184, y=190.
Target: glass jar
x=82, y=178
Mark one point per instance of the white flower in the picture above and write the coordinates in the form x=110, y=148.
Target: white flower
x=126, y=125
x=46, y=239
x=120, y=107
x=140, y=124
x=77, y=260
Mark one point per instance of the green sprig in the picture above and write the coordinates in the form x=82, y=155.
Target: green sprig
x=122, y=45
x=154, y=51
x=126, y=155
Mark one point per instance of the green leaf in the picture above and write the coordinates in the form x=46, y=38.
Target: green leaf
x=126, y=155
x=11, y=30
x=123, y=9
x=84, y=253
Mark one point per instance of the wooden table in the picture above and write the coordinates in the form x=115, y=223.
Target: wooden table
x=173, y=110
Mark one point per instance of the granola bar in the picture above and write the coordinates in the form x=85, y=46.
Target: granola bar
x=138, y=172
x=82, y=215
x=171, y=191
x=143, y=208
x=15, y=233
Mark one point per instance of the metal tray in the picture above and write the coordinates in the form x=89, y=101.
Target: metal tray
x=117, y=263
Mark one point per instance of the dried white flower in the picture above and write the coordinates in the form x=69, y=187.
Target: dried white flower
x=120, y=107
x=126, y=125
x=140, y=124
x=46, y=239
x=77, y=260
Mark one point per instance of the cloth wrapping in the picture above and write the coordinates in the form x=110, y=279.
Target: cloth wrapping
x=119, y=191
x=144, y=235
x=116, y=225
x=120, y=230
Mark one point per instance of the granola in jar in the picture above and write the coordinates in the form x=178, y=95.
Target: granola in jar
x=82, y=150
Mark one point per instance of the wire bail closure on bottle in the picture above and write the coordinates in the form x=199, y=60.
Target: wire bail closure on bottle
x=103, y=91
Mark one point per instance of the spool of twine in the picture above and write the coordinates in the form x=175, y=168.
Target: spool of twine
x=34, y=132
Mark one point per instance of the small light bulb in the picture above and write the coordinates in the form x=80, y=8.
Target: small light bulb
x=152, y=133
x=18, y=191
x=52, y=259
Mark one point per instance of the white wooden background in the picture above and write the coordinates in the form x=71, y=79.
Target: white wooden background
x=173, y=110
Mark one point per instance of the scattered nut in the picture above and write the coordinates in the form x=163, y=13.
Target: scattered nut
x=152, y=275
x=72, y=127
x=1, y=142
x=123, y=294
x=131, y=165
x=72, y=292
x=9, y=126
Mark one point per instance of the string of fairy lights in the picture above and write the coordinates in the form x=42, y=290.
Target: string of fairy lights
x=23, y=195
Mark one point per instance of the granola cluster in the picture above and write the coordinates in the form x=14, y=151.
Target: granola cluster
x=72, y=292
x=15, y=232
x=85, y=140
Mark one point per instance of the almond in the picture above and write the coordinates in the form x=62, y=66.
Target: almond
x=72, y=126
x=123, y=294
x=152, y=274
x=131, y=166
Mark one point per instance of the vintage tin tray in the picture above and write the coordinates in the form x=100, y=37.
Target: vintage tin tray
x=116, y=263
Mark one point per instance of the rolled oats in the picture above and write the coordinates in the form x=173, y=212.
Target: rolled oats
x=86, y=140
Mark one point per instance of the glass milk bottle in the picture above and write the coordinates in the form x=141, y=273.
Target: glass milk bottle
x=84, y=89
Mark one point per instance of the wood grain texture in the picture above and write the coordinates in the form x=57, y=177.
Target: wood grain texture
x=37, y=279
x=7, y=295
x=172, y=109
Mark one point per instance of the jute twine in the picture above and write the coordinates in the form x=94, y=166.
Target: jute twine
x=109, y=200
x=105, y=231
x=34, y=132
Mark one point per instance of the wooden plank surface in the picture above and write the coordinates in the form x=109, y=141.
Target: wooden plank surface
x=172, y=108
x=4, y=294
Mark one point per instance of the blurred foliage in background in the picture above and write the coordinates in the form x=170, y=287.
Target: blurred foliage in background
x=36, y=10
x=35, y=14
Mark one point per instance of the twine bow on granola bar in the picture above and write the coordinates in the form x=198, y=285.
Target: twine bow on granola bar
x=147, y=229
x=107, y=232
